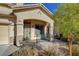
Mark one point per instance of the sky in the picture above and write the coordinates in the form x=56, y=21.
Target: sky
x=53, y=7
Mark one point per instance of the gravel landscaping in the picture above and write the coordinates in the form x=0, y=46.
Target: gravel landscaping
x=42, y=48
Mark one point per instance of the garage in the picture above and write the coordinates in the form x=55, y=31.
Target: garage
x=4, y=35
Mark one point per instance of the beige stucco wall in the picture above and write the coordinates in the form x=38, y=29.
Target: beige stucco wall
x=5, y=10
x=5, y=21
x=34, y=14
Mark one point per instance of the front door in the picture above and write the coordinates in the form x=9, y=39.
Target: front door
x=39, y=31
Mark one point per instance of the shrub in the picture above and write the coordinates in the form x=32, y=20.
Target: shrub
x=75, y=50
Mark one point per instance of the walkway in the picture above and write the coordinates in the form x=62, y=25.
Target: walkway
x=6, y=50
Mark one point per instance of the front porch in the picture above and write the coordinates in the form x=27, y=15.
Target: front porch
x=35, y=30
x=33, y=25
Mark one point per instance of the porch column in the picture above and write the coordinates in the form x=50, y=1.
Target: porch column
x=32, y=32
x=11, y=32
x=45, y=30
x=51, y=32
x=19, y=32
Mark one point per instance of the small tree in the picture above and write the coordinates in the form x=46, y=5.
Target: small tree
x=67, y=19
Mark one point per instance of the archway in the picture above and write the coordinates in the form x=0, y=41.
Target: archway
x=34, y=29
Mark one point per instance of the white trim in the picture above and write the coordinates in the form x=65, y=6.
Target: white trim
x=45, y=8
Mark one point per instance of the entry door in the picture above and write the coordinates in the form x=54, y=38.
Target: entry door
x=4, y=38
x=27, y=31
x=39, y=31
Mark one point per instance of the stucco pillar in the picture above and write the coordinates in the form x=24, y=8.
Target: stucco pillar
x=45, y=30
x=11, y=33
x=51, y=32
x=19, y=32
x=32, y=32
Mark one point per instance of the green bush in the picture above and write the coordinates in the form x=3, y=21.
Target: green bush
x=67, y=19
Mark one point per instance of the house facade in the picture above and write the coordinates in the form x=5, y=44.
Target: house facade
x=19, y=22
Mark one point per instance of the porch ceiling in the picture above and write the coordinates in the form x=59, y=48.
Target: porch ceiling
x=34, y=21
